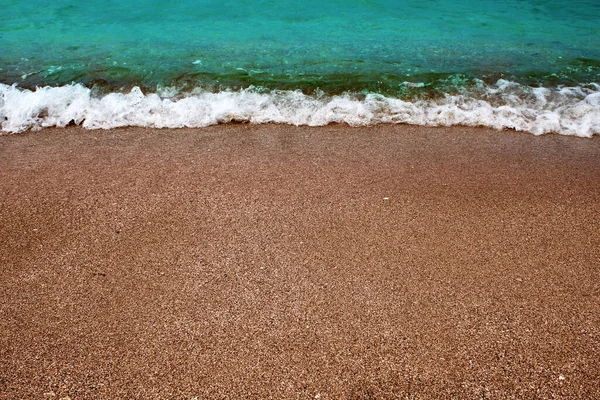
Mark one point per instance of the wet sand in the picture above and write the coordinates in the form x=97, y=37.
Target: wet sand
x=282, y=262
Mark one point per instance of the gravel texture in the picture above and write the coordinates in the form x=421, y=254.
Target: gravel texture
x=284, y=262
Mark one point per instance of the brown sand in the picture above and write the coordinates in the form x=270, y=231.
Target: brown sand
x=280, y=262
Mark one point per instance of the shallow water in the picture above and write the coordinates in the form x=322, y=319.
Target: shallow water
x=404, y=50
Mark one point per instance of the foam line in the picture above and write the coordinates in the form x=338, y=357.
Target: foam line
x=564, y=110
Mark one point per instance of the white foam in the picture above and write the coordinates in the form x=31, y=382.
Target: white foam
x=565, y=110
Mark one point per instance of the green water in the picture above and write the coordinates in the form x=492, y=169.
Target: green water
x=327, y=45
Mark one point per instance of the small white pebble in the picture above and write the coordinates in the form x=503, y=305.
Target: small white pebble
x=386, y=198
x=561, y=378
x=318, y=396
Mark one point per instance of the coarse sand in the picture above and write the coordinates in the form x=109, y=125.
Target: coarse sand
x=270, y=261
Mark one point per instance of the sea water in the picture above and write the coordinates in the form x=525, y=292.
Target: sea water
x=530, y=65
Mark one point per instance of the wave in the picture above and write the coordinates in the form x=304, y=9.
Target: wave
x=503, y=105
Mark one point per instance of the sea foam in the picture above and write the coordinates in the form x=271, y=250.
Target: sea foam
x=504, y=105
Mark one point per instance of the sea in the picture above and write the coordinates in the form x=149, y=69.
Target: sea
x=523, y=65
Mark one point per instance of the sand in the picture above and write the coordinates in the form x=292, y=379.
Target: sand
x=285, y=262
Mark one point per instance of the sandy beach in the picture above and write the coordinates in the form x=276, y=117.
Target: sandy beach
x=282, y=262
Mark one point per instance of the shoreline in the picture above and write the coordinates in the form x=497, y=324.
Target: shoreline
x=509, y=105
x=278, y=261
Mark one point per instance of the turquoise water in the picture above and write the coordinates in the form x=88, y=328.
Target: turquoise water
x=409, y=50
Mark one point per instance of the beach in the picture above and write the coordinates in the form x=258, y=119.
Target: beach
x=274, y=261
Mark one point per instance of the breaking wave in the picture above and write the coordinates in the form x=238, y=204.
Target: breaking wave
x=503, y=105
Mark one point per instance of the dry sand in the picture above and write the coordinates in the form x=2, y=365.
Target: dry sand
x=281, y=262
